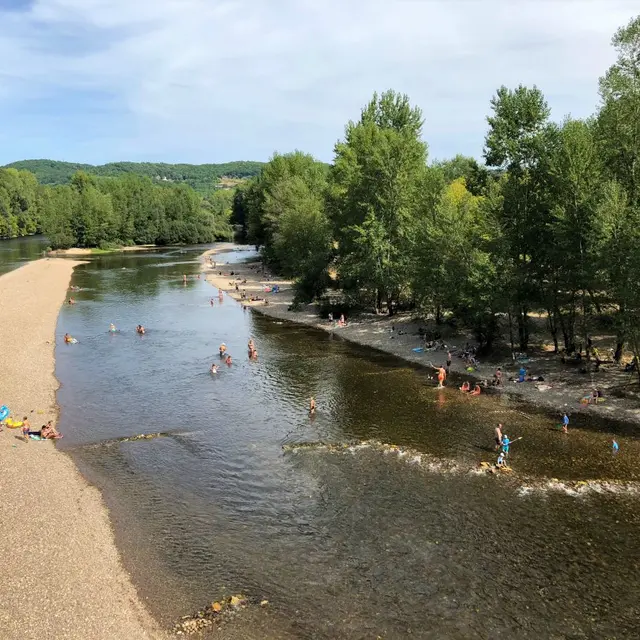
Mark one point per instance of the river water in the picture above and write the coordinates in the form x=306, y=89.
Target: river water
x=17, y=251
x=356, y=543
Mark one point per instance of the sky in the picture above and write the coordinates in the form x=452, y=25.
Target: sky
x=220, y=80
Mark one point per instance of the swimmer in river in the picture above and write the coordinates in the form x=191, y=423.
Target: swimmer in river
x=222, y=349
x=71, y=301
x=214, y=369
x=211, y=302
x=228, y=360
x=312, y=406
x=465, y=387
x=67, y=338
x=498, y=432
x=184, y=278
x=140, y=329
x=112, y=328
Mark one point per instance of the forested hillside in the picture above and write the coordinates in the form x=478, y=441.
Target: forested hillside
x=106, y=212
x=551, y=224
x=202, y=177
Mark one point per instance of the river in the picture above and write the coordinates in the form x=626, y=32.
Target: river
x=359, y=543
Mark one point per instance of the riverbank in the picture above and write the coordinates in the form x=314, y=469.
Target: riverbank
x=561, y=390
x=62, y=576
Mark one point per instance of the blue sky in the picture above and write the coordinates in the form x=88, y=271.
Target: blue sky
x=219, y=80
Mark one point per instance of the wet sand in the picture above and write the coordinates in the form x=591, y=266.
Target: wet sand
x=561, y=390
x=61, y=574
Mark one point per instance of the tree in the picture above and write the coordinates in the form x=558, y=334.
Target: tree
x=570, y=270
x=518, y=140
x=374, y=198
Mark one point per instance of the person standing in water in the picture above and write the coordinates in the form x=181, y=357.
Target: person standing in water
x=448, y=361
x=565, y=423
x=505, y=444
x=312, y=405
x=498, y=432
x=442, y=376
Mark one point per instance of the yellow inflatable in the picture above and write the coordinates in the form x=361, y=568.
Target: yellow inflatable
x=13, y=424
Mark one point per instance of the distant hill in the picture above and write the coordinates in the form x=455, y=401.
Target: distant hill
x=202, y=177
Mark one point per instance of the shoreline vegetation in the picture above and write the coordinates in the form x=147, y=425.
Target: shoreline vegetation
x=562, y=389
x=530, y=258
x=62, y=575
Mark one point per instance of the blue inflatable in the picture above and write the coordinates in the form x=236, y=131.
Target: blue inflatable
x=4, y=412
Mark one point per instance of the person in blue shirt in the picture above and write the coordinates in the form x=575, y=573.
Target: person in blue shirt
x=615, y=446
x=565, y=423
x=505, y=444
x=522, y=374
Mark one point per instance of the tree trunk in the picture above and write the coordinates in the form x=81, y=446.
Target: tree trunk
x=617, y=356
x=523, y=329
x=553, y=328
x=511, y=331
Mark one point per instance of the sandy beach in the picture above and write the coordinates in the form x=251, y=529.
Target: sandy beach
x=61, y=572
x=562, y=388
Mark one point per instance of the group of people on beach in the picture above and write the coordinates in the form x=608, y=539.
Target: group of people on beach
x=46, y=432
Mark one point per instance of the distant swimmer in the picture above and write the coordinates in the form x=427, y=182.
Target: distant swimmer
x=68, y=339
x=211, y=302
x=465, y=387
x=616, y=447
x=312, y=405
x=71, y=301
x=140, y=329
x=214, y=368
x=184, y=278
x=112, y=328
x=222, y=349
x=228, y=360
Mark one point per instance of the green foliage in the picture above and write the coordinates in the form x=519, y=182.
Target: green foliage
x=374, y=198
x=94, y=212
x=201, y=177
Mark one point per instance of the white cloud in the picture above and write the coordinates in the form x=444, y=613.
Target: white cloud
x=219, y=79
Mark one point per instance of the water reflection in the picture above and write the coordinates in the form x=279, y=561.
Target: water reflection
x=17, y=251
